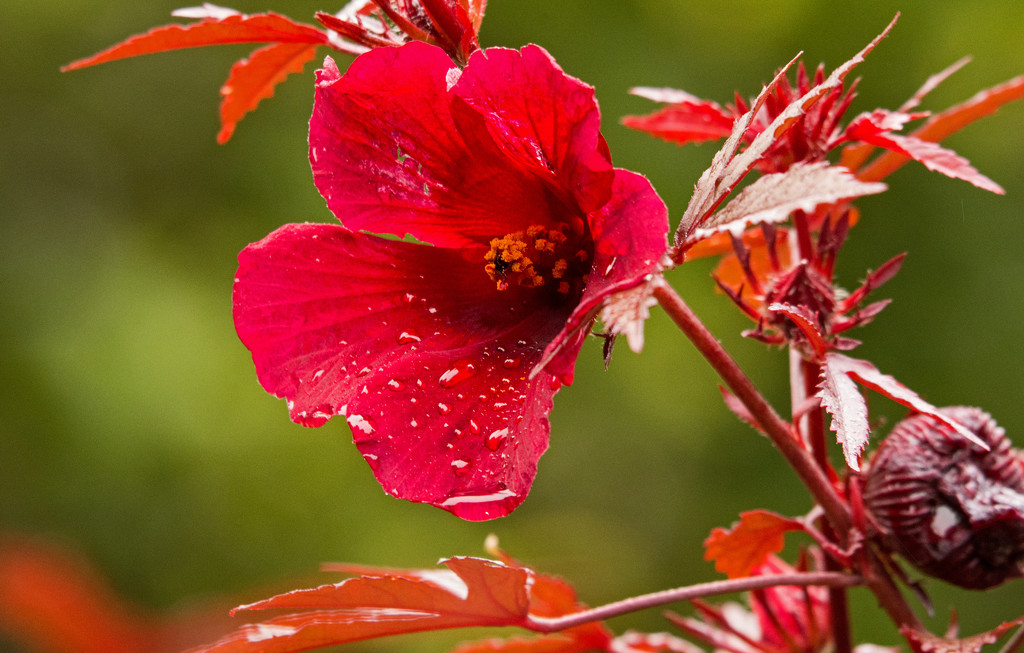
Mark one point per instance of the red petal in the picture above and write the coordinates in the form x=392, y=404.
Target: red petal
x=545, y=120
x=237, y=28
x=254, y=79
x=396, y=148
x=413, y=344
x=473, y=593
x=630, y=237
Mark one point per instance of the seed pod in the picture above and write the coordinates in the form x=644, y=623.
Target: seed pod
x=953, y=510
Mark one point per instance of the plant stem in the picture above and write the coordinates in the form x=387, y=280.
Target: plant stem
x=814, y=434
x=789, y=444
x=701, y=590
x=778, y=430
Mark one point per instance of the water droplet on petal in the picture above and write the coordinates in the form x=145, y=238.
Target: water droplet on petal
x=414, y=424
x=496, y=439
x=364, y=371
x=407, y=338
x=459, y=372
x=360, y=424
x=396, y=385
x=372, y=460
x=444, y=409
x=474, y=428
x=555, y=383
x=512, y=362
x=460, y=467
x=459, y=433
x=498, y=405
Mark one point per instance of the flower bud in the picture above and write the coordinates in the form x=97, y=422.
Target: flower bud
x=954, y=510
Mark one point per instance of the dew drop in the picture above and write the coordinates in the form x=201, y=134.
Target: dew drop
x=364, y=371
x=555, y=383
x=414, y=424
x=459, y=434
x=396, y=385
x=372, y=460
x=512, y=362
x=474, y=428
x=460, y=396
x=444, y=409
x=407, y=338
x=360, y=423
x=459, y=372
x=496, y=439
x=409, y=298
x=460, y=467
x=498, y=405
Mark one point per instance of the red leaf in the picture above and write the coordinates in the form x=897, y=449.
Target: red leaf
x=687, y=119
x=849, y=412
x=925, y=642
x=234, y=28
x=773, y=197
x=728, y=168
x=253, y=79
x=802, y=317
x=950, y=121
x=872, y=128
x=844, y=402
x=739, y=551
x=472, y=592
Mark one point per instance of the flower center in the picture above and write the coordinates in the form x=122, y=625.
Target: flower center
x=538, y=257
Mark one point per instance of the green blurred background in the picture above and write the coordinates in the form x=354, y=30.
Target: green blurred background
x=131, y=423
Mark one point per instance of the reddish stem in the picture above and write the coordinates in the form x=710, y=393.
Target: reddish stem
x=701, y=590
x=836, y=510
x=814, y=425
x=778, y=430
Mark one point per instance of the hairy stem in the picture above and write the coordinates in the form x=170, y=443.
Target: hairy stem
x=778, y=430
x=701, y=590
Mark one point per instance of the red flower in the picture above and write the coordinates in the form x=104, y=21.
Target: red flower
x=445, y=358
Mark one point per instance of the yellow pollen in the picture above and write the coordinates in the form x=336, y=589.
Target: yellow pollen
x=527, y=258
x=560, y=267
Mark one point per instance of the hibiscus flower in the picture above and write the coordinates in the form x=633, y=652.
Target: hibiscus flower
x=444, y=344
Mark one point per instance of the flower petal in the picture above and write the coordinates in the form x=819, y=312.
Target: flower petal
x=630, y=238
x=389, y=156
x=413, y=345
x=540, y=117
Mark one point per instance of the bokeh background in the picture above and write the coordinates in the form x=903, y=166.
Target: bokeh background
x=133, y=430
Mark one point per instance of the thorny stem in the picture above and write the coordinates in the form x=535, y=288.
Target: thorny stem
x=788, y=443
x=701, y=590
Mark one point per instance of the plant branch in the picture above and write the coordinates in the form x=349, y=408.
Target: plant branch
x=701, y=590
x=778, y=430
